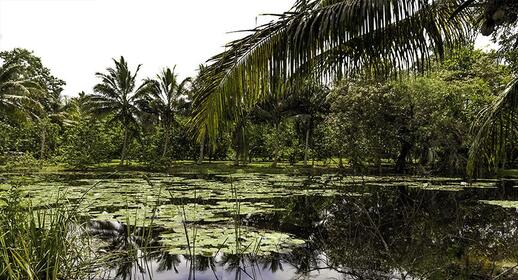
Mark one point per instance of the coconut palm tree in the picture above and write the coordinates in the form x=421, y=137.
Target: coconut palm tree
x=118, y=95
x=328, y=39
x=167, y=95
x=77, y=109
x=196, y=90
x=18, y=94
x=496, y=131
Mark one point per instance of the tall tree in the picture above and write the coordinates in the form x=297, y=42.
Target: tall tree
x=327, y=39
x=32, y=69
x=332, y=38
x=118, y=95
x=272, y=112
x=168, y=95
x=196, y=90
x=17, y=93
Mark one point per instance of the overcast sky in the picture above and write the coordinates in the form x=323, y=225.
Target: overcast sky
x=76, y=38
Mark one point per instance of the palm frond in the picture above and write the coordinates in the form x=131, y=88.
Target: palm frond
x=336, y=37
x=496, y=132
x=19, y=94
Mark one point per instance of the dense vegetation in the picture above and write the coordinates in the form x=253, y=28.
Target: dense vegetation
x=416, y=123
x=358, y=86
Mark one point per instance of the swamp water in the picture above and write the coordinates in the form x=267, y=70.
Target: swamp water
x=271, y=226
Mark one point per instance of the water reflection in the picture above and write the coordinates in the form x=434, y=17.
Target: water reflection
x=386, y=233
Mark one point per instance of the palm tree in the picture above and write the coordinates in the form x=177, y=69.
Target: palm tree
x=18, y=94
x=23, y=96
x=496, y=132
x=327, y=39
x=77, y=109
x=118, y=96
x=197, y=90
x=167, y=95
x=54, y=113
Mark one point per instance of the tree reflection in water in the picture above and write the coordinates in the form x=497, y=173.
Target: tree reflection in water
x=387, y=233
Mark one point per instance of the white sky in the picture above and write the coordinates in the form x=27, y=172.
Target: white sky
x=76, y=38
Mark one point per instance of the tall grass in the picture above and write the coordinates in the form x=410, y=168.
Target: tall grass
x=39, y=244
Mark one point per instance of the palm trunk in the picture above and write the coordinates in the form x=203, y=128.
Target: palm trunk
x=236, y=159
x=166, y=141
x=202, y=148
x=124, y=146
x=306, y=149
x=276, y=147
x=43, y=143
x=401, y=161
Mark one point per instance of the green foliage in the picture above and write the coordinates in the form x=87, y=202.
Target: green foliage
x=38, y=244
x=18, y=95
x=87, y=142
x=325, y=39
x=167, y=98
x=33, y=69
x=118, y=96
x=282, y=142
x=21, y=162
x=425, y=118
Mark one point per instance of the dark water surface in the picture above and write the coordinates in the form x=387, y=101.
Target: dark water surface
x=257, y=226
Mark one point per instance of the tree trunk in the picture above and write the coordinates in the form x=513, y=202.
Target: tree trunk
x=43, y=143
x=340, y=161
x=202, y=148
x=166, y=141
x=306, y=149
x=379, y=163
x=275, y=158
x=236, y=159
x=124, y=146
x=401, y=161
x=276, y=148
x=424, y=156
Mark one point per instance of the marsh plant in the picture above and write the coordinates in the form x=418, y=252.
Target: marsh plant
x=40, y=243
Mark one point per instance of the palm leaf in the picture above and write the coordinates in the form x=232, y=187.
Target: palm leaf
x=496, y=132
x=327, y=39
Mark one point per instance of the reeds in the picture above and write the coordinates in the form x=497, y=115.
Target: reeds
x=39, y=244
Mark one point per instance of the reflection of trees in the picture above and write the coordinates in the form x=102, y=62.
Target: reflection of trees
x=302, y=215
x=304, y=259
x=204, y=263
x=130, y=248
x=391, y=233
x=420, y=234
x=272, y=262
x=167, y=262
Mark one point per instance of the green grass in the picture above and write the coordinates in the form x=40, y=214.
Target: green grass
x=215, y=167
x=190, y=167
x=43, y=244
x=509, y=173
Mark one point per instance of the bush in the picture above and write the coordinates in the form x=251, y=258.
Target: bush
x=21, y=162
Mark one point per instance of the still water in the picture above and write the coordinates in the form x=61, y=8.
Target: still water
x=271, y=226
